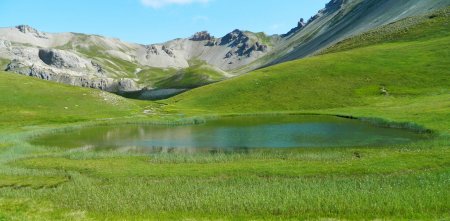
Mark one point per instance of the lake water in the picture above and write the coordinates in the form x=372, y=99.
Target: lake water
x=233, y=134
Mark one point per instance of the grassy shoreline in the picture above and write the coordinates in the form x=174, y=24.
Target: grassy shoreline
x=82, y=170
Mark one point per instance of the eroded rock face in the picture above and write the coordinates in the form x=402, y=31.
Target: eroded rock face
x=18, y=67
x=168, y=51
x=5, y=44
x=90, y=81
x=98, y=67
x=151, y=49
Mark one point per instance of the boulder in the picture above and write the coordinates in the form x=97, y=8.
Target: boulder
x=59, y=59
x=127, y=85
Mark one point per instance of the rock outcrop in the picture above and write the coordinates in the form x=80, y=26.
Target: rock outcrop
x=234, y=38
x=330, y=7
x=151, y=50
x=300, y=25
x=201, y=36
x=82, y=80
x=30, y=30
x=168, y=51
x=127, y=85
x=241, y=44
x=59, y=59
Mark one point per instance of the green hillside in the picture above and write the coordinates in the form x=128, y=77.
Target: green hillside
x=386, y=75
x=196, y=75
x=30, y=101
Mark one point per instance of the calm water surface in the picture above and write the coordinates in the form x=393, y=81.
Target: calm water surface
x=233, y=134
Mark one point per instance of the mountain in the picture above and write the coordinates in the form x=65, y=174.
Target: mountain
x=112, y=65
x=116, y=66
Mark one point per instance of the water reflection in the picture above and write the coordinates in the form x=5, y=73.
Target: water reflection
x=237, y=134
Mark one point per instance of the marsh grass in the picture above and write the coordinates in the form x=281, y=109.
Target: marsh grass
x=251, y=197
x=400, y=125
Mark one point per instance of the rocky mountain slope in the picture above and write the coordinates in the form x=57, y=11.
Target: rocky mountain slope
x=116, y=66
x=112, y=65
x=341, y=19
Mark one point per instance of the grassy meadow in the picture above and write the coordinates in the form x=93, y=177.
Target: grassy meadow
x=398, y=80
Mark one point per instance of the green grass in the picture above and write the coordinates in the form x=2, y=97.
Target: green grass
x=394, y=182
x=29, y=101
x=30, y=181
x=3, y=64
x=264, y=164
x=120, y=68
x=197, y=74
x=151, y=76
x=399, y=182
x=264, y=39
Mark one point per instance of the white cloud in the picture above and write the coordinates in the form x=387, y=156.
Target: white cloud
x=162, y=3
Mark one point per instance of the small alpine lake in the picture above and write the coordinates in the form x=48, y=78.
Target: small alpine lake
x=233, y=134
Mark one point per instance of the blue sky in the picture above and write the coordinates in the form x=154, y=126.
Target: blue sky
x=154, y=21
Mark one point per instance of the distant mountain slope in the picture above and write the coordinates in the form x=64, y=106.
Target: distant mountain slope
x=116, y=66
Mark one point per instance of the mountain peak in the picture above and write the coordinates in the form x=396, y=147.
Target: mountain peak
x=237, y=36
x=26, y=29
x=202, y=36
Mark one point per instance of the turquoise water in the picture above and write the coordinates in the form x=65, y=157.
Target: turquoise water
x=233, y=134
